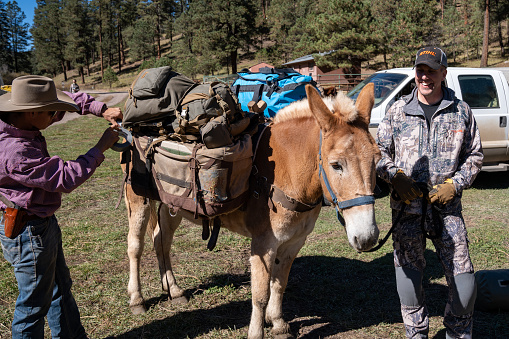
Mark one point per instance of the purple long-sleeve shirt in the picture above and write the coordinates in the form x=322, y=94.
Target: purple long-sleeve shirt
x=86, y=103
x=34, y=180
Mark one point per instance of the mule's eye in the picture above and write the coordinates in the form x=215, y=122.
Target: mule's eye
x=336, y=166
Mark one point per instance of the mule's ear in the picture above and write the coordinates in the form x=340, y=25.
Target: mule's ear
x=322, y=114
x=365, y=102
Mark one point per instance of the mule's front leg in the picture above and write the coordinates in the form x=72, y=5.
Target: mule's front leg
x=139, y=211
x=274, y=314
x=262, y=260
x=163, y=239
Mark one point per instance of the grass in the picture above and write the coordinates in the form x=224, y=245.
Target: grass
x=333, y=291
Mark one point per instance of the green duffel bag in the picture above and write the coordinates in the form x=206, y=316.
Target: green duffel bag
x=155, y=94
x=492, y=290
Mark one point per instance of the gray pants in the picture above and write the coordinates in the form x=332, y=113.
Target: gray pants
x=452, y=250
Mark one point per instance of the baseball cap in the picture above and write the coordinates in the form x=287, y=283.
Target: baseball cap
x=434, y=57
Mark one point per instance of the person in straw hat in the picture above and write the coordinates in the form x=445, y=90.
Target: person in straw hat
x=34, y=181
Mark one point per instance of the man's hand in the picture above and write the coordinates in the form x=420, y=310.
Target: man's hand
x=113, y=115
x=109, y=137
x=442, y=193
x=406, y=187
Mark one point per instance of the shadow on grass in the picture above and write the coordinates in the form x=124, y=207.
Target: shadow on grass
x=491, y=180
x=326, y=296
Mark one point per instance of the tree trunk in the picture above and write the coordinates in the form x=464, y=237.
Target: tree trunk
x=62, y=64
x=158, y=34
x=507, y=30
x=14, y=57
x=122, y=44
x=101, y=50
x=500, y=38
x=499, y=31
x=233, y=59
x=119, y=42
x=82, y=73
x=486, y=40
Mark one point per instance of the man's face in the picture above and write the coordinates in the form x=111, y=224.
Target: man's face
x=428, y=82
x=41, y=120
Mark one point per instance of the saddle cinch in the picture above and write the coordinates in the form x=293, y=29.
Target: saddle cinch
x=192, y=146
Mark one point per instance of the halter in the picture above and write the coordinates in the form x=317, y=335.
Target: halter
x=364, y=200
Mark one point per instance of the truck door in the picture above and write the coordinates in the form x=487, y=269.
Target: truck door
x=485, y=95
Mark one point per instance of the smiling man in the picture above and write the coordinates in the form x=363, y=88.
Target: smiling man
x=431, y=151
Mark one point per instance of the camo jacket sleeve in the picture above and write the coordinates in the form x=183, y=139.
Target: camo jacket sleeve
x=386, y=168
x=471, y=154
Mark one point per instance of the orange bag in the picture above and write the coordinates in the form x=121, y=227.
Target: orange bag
x=14, y=220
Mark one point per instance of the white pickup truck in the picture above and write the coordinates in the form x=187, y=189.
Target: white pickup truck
x=486, y=90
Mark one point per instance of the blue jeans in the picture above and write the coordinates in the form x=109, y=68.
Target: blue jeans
x=44, y=282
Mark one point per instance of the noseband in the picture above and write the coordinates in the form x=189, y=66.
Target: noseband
x=364, y=200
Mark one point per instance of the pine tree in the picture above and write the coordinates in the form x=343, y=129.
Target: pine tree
x=109, y=76
x=344, y=30
x=17, y=31
x=413, y=25
x=486, y=34
x=140, y=39
x=222, y=28
x=285, y=19
x=4, y=38
x=105, y=31
x=500, y=14
x=49, y=39
x=159, y=11
x=473, y=24
x=78, y=30
x=454, y=29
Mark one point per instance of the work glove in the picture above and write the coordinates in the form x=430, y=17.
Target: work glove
x=405, y=187
x=442, y=193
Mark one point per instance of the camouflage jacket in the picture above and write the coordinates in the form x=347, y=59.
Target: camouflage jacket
x=449, y=148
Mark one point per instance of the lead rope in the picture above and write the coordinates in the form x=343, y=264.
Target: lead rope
x=436, y=219
x=384, y=240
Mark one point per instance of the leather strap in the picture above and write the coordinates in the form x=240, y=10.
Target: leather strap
x=286, y=201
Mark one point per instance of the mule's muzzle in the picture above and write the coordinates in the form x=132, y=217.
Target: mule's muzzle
x=361, y=227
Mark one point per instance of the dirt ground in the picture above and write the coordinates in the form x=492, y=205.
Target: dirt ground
x=109, y=98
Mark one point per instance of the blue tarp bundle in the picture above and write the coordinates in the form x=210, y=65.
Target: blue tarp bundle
x=277, y=87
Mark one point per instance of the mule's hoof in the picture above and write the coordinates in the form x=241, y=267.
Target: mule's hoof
x=180, y=300
x=138, y=309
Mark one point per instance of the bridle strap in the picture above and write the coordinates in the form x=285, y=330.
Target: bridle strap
x=359, y=201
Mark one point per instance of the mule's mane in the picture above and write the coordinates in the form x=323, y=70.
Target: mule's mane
x=341, y=104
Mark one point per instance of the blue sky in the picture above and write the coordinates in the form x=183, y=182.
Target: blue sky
x=27, y=6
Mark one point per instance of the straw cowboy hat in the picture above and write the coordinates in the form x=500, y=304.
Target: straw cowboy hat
x=35, y=93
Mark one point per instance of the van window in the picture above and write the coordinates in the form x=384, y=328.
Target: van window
x=404, y=91
x=479, y=91
x=384, y=83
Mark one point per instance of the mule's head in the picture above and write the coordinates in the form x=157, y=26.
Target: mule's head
x=349, y=155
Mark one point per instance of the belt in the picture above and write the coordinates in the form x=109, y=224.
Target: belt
x=27, y=217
